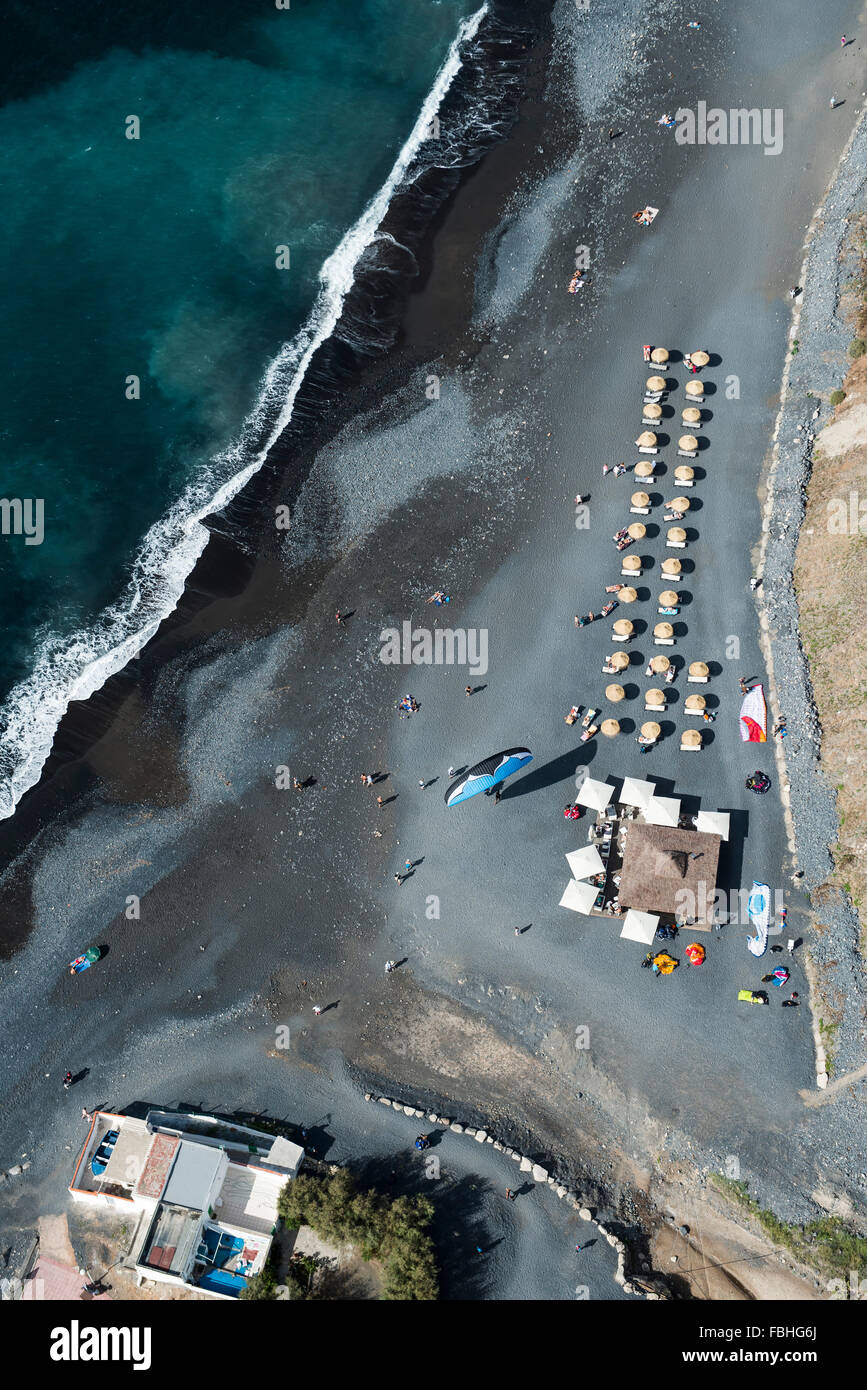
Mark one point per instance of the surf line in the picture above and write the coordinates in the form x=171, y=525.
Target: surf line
x=75, y=666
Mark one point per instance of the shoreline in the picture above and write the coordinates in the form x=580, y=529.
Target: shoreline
x=358, y=300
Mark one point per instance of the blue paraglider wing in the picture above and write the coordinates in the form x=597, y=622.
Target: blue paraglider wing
x=488, y=773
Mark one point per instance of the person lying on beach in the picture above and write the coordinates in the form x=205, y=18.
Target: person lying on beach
x=609, y=607
x=613, y=588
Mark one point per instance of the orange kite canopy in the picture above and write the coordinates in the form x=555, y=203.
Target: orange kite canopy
x=694, y=953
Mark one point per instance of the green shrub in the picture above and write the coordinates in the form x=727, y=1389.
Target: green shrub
x=857, y=348
x=392, y=1231
x=838, y=397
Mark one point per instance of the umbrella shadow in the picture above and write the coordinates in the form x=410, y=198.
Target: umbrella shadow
x=552, y=772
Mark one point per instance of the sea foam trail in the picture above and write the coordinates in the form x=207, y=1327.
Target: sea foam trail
x=74, y=667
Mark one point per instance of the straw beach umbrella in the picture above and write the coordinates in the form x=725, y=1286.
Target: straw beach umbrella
x=623, y=627
x=655, y=698
x=650, y=729
x=659, y=356
x=659, y=665
x=669, y=599
x=671, y=568
x=631, y=563
x=639, y=499
x=615, y=692
x=663, y=632
x=675, y=535
x=691, y=738
x=646, y=440
x=627, y=595
x=637, y=530
x=684, y=474
x=679, y=504
x=620, y=661
x=695, y=390
x=610, y=728
x=652, y=412
x=691, y=416
x=694, y=704
x=699, y=668
x=698, y=359
x=688, y=443
x=655, y=384
x=644, y=470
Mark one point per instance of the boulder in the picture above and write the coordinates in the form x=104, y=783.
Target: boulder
x=384, y=1100
x=526, y=1165
x=434, y=1119
x=396, y=1105
x=480, y=1136
x=498, y=1146
x=457, y=1129
x=585, y=1213
x=469, y=1131
x=409, y=1110
x=368, y=1096
x=561, y=1192
x=539, y=1173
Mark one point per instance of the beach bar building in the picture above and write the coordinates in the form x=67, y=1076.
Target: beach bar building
x=667, y=867
x=199, y=1192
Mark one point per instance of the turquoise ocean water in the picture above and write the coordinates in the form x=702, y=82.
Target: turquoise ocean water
x=155, y=258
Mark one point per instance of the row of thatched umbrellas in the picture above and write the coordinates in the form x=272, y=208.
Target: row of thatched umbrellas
x=671, y=568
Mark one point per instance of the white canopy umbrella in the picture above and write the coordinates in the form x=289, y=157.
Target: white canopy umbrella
x=663, y=810
x=585, y=862
x=579, y=897
x=595, y=794
x=713, y=823
x=635, y=792
x=639, y=926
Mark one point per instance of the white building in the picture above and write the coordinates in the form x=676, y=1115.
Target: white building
x=202, y=1191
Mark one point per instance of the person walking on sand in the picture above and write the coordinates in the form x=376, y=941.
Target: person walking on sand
x=843, y=41
x=389, y=967
x=497, y=795
x=606, y=469
x=407, y=865
x=451, y=772
x=398, y=880
x=317, y=1010
x=341, y=621
x=742, y=682
x=468, y=690
x=85, y=1114
x=579, y=1248
x=67, y=1081
x=380, y=803
x=510, y=1196
x=422, y=783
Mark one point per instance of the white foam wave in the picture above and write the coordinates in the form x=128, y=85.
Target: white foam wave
x=74, y=667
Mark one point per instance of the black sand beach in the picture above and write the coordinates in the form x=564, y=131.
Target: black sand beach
x=258, y=901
